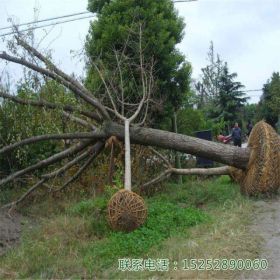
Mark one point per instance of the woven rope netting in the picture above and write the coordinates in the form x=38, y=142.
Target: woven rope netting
x=126, y=211
x=262, y=174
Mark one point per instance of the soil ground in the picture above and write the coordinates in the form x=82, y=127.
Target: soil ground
x=10, y=230
x=267, y=225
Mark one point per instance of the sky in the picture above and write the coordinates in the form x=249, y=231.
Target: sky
x=245, y=33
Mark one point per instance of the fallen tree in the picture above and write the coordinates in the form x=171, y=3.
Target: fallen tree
x=255, y=167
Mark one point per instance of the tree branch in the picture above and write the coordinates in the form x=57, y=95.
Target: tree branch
x=66, y=166
x=79, y=120
x=46, y=162
x=167, y=163
x=97, y=148
x=164, y=175
x=224, y=170
x=35, y=139
x=67, y=83
x=32, y=189
x=49, y=105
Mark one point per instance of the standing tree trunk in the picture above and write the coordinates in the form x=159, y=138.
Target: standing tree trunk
x=127, y=179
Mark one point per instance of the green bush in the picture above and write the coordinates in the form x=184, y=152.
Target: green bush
x=88, y=207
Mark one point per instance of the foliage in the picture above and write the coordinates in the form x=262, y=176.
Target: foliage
x=219, y=95
x=190, y=120
x=18, y=122
x=230, y=98
x=268, y=107
x=249, y=113
x=208, y=87
x=117, y=30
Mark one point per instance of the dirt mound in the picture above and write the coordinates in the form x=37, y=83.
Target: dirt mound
x=10, y=230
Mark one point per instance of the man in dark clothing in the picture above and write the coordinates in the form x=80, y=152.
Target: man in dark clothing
x=236, y=135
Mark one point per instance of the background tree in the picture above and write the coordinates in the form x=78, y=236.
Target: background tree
x=269, y=105
x=117, y=25
x=208, y=87
x=19, y=122
x=230, y=98
x=219, y=95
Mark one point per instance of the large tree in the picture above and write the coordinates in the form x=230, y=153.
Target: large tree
x=208, y=86
x=230, y=97
x=220, y=96
x=117, y=25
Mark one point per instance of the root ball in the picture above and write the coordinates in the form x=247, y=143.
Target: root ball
x=126, y=211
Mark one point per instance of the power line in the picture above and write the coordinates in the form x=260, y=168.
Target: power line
x=45, y=25
x=60, y=22
x=74, y=14
x=43, y=20
x=183, y=1
x=252, y=90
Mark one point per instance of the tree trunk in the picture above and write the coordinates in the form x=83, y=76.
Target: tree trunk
x=229, y=155
x=127, y=174
x=177, y=155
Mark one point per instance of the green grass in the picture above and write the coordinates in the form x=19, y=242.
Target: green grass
x=76, y=241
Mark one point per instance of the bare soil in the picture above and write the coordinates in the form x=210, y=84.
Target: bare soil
x=267, y=225
x=10, y=230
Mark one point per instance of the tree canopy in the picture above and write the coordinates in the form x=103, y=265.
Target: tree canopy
x=116, y=30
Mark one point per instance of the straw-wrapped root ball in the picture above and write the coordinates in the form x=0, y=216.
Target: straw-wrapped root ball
x=262, y=174
x=126, y=211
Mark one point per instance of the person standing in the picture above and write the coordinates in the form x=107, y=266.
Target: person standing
x=236, y=135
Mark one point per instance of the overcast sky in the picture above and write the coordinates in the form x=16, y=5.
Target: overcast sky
x=246, y=34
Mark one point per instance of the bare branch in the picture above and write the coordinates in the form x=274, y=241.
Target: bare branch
x=224, y=170
x=167, y=163
x=108, y=91
x=49, y=105
x=48, y=63
x=32, y=189
x=164, y=175
x=35, y=139
x=79, y=120
x=66, y=166
x=62, y=74
x=46, y=162
x=69, y=84
x=122, y=85
x=98, y=147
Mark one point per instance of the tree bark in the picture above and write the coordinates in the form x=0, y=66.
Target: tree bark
x=177, y=155
x=229, y=155
x=127, y=174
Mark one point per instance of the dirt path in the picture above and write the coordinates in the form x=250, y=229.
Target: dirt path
x=267, y=225
x=10, y=230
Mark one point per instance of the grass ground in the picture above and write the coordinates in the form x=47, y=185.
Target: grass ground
x=199, y=219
